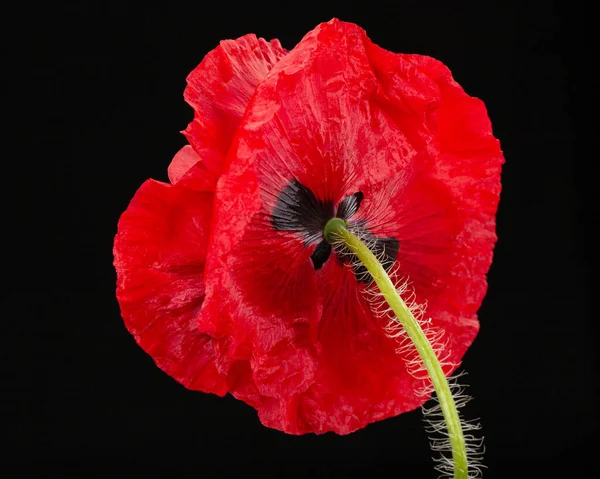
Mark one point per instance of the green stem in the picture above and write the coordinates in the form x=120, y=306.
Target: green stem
x=336, y=231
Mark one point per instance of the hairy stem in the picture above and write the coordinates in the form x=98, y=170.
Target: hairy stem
x=336, y=232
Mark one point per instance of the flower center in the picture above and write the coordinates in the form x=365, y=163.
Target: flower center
x=298, y=210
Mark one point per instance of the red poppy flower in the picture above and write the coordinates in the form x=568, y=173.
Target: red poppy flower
x=223, y=275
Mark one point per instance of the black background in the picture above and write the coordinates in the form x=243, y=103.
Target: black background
x=99, y=102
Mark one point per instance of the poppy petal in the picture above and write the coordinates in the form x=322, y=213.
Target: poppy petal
x=219, y=90
x=265, y=304
x=160, y=251
x=341, y=115
x=182, y=162
x=360, y=377
x=469, y=164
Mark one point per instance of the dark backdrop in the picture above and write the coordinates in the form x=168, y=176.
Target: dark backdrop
x=101, y=107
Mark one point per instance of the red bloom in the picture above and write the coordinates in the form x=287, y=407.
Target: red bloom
x=223, y=276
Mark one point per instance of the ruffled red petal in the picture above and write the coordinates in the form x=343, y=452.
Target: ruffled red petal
x=265, y=306
x=161, y=245
x=341, y=115
x=160, y=251
x=219, y=90
x=467, y=160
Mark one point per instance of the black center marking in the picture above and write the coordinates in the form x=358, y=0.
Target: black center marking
x=349, y=206
x=297, y=209
x=321, y=254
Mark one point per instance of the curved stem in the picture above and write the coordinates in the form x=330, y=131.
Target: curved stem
x=336, y=231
